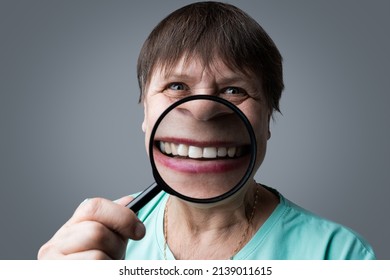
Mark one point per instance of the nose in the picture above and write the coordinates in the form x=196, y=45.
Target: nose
x=204, y=110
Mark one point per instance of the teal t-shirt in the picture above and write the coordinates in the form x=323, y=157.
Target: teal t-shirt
x=289, y=233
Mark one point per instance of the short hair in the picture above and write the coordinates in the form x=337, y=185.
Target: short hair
x=210, y=30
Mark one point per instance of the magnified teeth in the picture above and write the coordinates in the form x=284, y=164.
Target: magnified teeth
x=174, y=149
x=209, y=152
x=199, y=152
x=168, y=148
x=195, y=152
x=222, y=152
x=162, y=147
x=182, y=150
x=232, y=151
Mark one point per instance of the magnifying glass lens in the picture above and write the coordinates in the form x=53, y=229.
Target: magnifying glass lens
x=201, y=149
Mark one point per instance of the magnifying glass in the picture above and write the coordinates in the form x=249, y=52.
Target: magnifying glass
x=202, y=149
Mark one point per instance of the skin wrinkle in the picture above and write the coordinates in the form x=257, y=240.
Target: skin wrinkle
x=166, y=68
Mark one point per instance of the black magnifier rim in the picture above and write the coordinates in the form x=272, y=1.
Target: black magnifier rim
x=253, y=150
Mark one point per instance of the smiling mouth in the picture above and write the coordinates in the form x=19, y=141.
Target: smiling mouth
x=201, y=153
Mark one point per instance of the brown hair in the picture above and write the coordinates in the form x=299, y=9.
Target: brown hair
x=208, y=30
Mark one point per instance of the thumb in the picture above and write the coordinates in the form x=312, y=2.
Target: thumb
x=124, y=200
x=139, y=228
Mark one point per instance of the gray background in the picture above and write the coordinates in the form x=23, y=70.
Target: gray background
x=70, y=124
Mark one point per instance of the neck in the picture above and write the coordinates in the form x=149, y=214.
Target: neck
x=211, y=226
x=199, y=217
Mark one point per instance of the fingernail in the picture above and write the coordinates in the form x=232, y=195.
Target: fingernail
x=119, y=199
x=85, y=200
x=139, y=230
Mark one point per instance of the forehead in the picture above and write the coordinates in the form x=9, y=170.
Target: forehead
x=194, y=66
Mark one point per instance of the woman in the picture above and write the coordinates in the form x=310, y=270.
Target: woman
x=215, y=49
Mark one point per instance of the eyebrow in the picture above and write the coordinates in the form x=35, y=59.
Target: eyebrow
x=232, y=78
x=177, y=76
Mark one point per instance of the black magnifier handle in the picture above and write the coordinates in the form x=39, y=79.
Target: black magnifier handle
x=140, y=201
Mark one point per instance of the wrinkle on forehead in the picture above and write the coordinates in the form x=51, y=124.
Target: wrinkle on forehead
x=180, y=66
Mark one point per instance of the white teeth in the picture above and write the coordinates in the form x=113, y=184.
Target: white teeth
x=222, y=152
x=231, y=151
x=209, y=152
x=162, y=147
x=174, y=149
x=195, y=152
x=168, y=148
x=182, y=150
x=198, y=152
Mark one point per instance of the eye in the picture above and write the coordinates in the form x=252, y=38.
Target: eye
x=176, y=90
x=234, y=94
x=177, y=86
x=233, y=90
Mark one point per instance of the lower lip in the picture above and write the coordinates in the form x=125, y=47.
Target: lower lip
x=187, y=165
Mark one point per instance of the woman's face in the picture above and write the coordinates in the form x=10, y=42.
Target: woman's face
x=200, y=148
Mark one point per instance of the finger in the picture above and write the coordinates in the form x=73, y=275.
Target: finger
x=88, y=255
x=112, y=215
x=124, y=200
x=84, y=236
x=47, y=252
x=90, y=235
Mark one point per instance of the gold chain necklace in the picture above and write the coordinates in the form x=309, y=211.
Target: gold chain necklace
x=243, y=237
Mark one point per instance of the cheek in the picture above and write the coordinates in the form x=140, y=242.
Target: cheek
x=151, y=113
x=143, y=126
x=258, y=116
x=262, y=136
x=150, y=119
x=147, y=127
x=260, y=126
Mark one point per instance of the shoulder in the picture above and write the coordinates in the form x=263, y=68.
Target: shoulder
x=152, y=206
x=333, y=240
x=151, y=246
